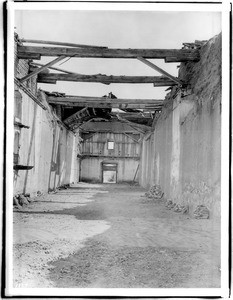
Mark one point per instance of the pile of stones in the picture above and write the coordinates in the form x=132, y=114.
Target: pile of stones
x=21, y=200
x=155, y=192
x=201, y=212
x=176, y=207
x=64, y=187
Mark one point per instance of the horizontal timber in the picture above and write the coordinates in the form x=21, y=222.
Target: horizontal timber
x=82, y=101
x=88, y=155
x=179, y=54
x=85, y=99
x=107, y=105
x=156, y=80
x=58, y=43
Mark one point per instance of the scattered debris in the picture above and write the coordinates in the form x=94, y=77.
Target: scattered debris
x=201, y=212
x=181, y=208
x=64, y=186
x=39, y=193
x=21, y=200
x=155, y=192
x=169, y=204
x=16, y=202
x=28, y=197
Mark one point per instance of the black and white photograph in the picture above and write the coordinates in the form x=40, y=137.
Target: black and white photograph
x=118, y=120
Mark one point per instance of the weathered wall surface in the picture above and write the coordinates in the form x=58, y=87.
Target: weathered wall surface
x=126, y=153
x=91, y=169
x=183, y=154
x=46, y=145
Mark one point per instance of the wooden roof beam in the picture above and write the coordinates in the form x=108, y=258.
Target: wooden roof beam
x=179, y=54
x=156, y=68
x=156, y=80
x=59, y=43
x=107, y=105
x=103, y=99
x=100, y=102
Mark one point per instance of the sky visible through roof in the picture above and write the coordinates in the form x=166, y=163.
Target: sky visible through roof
x=116, y=29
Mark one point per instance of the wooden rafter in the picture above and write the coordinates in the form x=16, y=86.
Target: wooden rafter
x=83, y=101
x=59, y=43
x=103, y=105
x=177, y=54
x=156, y=80
x=52, y=68
x=86, y=99
x=38, y=70
x=153, y=66
x=139, y=127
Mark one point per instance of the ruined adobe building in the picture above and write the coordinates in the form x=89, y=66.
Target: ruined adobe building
x=173, y=142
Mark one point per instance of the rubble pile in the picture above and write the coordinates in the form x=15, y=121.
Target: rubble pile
x=64, y=187
x=155, y=192
x=21, y=200
x=201, y=212
x=169, y=204
x=176, y=207
x=181, y=208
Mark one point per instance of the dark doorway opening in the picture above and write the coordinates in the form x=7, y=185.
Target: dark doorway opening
x=109, y=173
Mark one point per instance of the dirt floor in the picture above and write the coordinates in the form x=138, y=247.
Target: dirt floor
x=112, y=236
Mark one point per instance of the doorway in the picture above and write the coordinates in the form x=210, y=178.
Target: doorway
x=109, y=173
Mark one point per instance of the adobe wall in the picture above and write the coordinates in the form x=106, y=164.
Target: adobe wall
x=46, y=145
x=183, y=154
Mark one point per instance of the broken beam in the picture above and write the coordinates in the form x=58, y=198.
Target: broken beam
x=179, y=54
x=156, y=80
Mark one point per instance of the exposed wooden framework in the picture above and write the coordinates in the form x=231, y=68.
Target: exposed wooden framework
x=102, y=105
x=54, y=77
x=101, y=102
x=38, y=70
x=139, y=127
x=132, y=115
x=171, y=55
x=153, y=66
x=59, y=43
x=77, y=116
x=52, y=68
